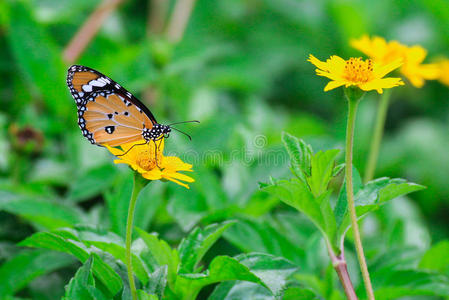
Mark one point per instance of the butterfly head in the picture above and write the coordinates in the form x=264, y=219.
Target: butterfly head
x=165, y=129
x=156, y=132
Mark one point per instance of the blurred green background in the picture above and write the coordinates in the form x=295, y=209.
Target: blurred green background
x=240, y=68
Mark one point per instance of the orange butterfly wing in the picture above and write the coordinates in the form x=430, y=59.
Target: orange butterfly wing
x=107, y=113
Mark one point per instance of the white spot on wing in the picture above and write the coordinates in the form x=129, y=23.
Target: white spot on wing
x=87, y=88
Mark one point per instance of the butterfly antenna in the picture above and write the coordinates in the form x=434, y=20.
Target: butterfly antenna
x=192, y=121
x=190, y=138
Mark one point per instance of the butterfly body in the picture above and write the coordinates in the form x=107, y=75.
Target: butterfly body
x=107, y=113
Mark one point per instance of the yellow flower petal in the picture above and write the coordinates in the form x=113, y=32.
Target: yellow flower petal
x=381, y=83
x=382, y=70
x=384, y=53
x=333, y=84
x=179, y=182
x=318, y=63
x=154, y=174
x=173, y=162
x=114, y=151
x=356, y=72
x=148, y=159
x=178, y=176
x=443, y=74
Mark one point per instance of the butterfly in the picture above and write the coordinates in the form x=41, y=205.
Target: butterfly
x=110, y=115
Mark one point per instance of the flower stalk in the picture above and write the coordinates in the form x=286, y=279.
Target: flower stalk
x=353, y=96
x=138, y=184
x=377, y=136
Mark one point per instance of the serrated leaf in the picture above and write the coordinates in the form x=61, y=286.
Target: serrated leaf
x=82, y=285
x=384, y=189
x=266, y=270
x=142, y=295
x=341, y=208
x=192, y=249
x=273, y=271
x=222, y=268
x=299, y=153
x=338, y=169
x=296, y=194
x=330, y=225
x=322, y=166
x=256, y=235
x=119, y=252
x=159, y=254
x=157, y=282
x=67, y=242
x=374, y=194
x=25, y=266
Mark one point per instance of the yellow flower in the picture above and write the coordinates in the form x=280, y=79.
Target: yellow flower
x=383, y=52
x=444, y=71
x=356, y=72
x=142, y=158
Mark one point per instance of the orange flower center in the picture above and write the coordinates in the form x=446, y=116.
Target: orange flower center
x=146, y=159
x=358, y=70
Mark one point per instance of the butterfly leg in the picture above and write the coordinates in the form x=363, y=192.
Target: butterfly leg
x=130, y=149
x=156, y=147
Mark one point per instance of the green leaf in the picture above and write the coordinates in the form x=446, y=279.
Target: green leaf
x=322, y=166
x=273, y=271
x=158, y=282
x=341, y=208
x=158, y=254
x=92, y=183
x=25, y=266
x=118, y=252
x=267, y=237
x=222, y=268
x=67, y=242
x=295, y=193
x=381, y=190
x=393, y=284
x=300, y=294
x=374, y=194
x=330, y=225
x=269, y=271
x=142, y=295
x=45, y=212
x=396, y=258
x=300, y=155
x=338, y=169
x=82, y=285
x=240, y=290
x=195, y=245
x=437, y=258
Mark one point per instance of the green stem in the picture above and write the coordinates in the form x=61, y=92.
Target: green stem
x=353, y=101
x=137, y=187
x=377, y=136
